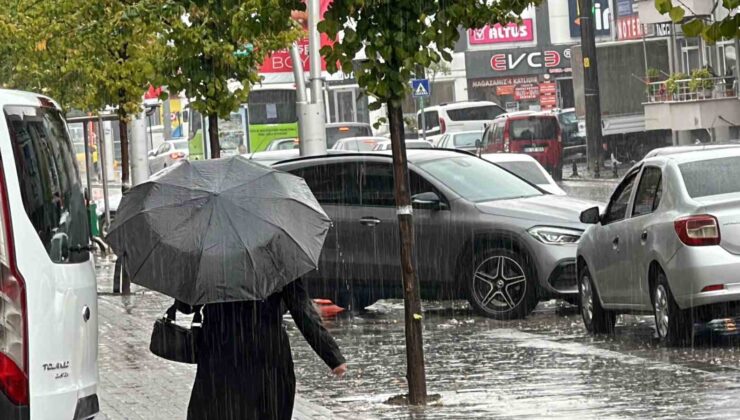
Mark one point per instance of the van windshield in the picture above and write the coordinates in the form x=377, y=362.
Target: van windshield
x=534, y=128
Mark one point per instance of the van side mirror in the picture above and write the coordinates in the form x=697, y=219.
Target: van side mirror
x=427, y=200
x=590, y=216
x=59, y=249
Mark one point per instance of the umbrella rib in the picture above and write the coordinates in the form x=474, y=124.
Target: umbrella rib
x=202, y=246
x=246, y=249
x=294, y=200
x=273, y=224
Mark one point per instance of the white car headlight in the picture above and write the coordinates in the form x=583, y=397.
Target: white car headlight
x=555, y=235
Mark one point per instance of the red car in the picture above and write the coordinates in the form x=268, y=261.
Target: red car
x=534, y=133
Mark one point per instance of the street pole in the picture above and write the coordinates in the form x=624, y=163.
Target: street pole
x=166, y=121
x=415, y=375
x=312, y=119
x=591, y=87
x=139, y=158
x=420, y=74
x=301, y=102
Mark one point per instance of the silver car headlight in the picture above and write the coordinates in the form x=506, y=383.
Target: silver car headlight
x=555, y=235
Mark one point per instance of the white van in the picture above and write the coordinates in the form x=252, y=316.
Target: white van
x=48, y=299
x=458, y=116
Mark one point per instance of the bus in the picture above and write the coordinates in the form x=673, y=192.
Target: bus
x=271, y=114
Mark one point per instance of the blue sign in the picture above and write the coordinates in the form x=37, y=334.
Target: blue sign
x=420, y=88
x=602, y=18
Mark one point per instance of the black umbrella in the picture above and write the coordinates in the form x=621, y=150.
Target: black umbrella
x=219, y=231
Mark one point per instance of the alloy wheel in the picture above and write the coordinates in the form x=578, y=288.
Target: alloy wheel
x=499, y=284
x=587, y=299
x=662, y=313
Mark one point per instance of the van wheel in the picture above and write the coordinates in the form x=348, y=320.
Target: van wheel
x=502, y=285
x=674, y=326
x=596, y=319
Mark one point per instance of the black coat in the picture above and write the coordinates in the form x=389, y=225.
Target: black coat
x=245, y=367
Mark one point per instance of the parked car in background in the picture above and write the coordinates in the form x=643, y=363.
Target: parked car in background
x=458, y=116
x=527, y=168
x=282, y=144
x=343, y=130
x=463, y=140
x=534, y=133
x=48, y=299
x=167, y=154
x=358, y=144
x=574, y=142
x=668, y=244
x=410, y=144
x=499, y=242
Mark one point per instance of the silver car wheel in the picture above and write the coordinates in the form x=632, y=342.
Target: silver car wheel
x=587, y=299
x=661, y=310
x=499, y=284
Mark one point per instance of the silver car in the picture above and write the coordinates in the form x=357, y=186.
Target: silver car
x=668, y=244
x=481, y=233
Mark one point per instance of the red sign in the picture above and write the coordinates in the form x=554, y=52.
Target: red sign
x=526, y=91
x=280, y=61
x=498, y=34
x=548, y=95
x=534, y=60
x=628, y=27
x=504, y=90
x=153, y=93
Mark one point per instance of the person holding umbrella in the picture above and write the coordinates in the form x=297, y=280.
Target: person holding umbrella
x=233, y=238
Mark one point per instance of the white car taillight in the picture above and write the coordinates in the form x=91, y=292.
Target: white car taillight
x=13, y=332
x=700, y=230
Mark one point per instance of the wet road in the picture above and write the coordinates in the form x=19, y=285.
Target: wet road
x=544, y=366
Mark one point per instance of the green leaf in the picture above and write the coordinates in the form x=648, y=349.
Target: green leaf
x=728, y=28
x=663, y=6
x=677, y=14
x=693, y=27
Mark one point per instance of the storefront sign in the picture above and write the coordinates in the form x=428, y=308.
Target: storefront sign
x=526, y=91
x=281, y=62
x=503, y=81
x=628, y=27
x=504, y=90
x=517, y=62
x=498, y=34
x=548, y=95
x=533, y=60
x=602, y=17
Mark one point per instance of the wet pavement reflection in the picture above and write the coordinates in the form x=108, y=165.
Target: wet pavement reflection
x=545, y=365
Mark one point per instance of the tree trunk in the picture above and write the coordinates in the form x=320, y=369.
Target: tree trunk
x=213, y=136
x=412, y=301
x=123, y=133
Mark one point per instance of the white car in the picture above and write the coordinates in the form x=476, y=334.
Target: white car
x=463, y=140
x=358, y=144
x=410, y=144
x=167, y=154
x=527, y=167
x=458, y=116
x=48, y=304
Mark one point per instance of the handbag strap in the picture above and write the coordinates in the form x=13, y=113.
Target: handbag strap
x=171, y=314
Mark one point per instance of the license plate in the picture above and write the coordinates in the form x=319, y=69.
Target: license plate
x=534, y=149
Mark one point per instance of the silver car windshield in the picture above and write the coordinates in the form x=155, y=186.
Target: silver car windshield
x=711, y=177
x=477, y=180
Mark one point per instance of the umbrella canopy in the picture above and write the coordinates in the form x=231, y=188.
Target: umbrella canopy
x=219, y=231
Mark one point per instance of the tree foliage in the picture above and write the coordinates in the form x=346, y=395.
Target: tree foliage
x=398, y=35
x=87, y=55
x=726, y=28
x=206, y=54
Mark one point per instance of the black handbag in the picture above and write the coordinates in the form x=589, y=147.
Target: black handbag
x=175, y=342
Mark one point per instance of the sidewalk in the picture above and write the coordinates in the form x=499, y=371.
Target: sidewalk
x=584, y=175
x=135, y=384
